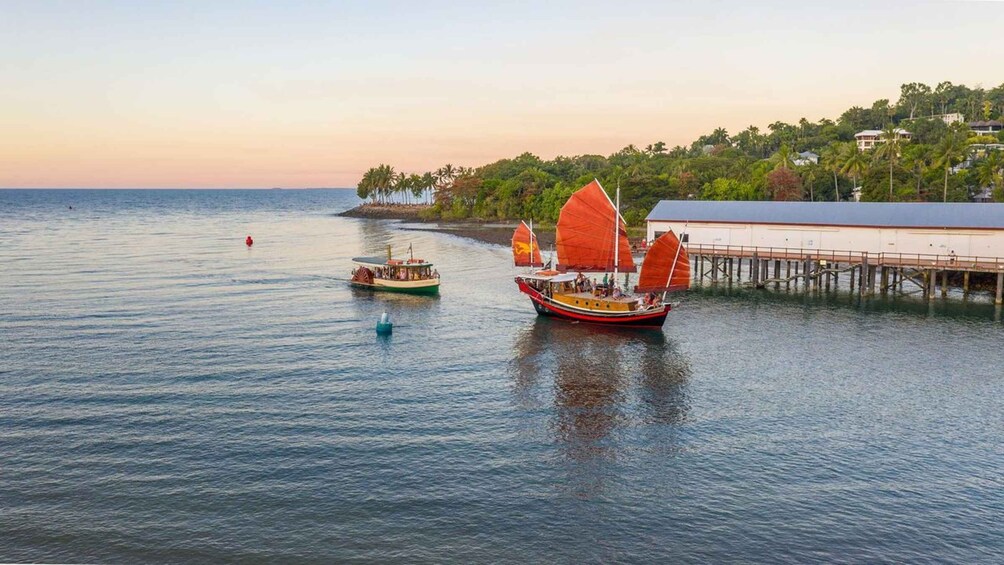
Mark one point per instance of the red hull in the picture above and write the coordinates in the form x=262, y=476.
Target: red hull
x=547, y=307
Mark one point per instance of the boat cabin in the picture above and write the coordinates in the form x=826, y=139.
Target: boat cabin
x=578, y=291
x=398, y=269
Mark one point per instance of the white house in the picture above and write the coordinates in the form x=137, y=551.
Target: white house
x=806, y=157
x=870, y=138
x=961, y=229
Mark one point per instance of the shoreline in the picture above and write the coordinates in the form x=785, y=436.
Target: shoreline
x=494, y=232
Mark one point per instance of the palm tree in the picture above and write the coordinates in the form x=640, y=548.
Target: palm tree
x=400, y=184
x=384, y=179
x=364, y=189
x=428, y=181
x=949, y=152
x=784, y=158
x=853, y=162
x=889, y=149
x=832, y=161
x=990, y=171
x=918, y=159
x=415, y=185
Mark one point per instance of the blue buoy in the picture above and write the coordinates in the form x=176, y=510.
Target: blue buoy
x=384, y=326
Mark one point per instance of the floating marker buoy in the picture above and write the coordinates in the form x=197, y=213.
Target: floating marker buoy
x=249, y=241
x=384, y=326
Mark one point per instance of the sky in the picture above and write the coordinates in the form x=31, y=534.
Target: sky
x=226, y=94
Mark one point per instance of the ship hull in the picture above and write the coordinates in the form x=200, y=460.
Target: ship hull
x=548, y=307
x=426, y=287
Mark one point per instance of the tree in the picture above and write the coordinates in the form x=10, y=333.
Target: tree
x=889, y=149
x=364, y=189
x=912, y=96
x=990, y=172
x=853, y=162
x=401, y=184
x=784, y=184
x=784, y=158
x=429, y=183
x=729, y=189
x=942, y=94
x=950, y=152
x=832, y=161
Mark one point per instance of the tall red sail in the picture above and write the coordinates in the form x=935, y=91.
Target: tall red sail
x=585, y=238
x=525, y=250
x=666, y=266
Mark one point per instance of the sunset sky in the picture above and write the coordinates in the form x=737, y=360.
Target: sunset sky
x=311, y=94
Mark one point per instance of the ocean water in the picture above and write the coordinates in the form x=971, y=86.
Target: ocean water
x=169, y=395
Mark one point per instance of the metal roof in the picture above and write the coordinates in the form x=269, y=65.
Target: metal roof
x=382, y=262
x=861, y=214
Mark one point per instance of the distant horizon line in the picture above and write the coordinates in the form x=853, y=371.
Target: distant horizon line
x=175, y=188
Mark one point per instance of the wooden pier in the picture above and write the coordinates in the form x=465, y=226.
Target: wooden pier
x=866, y=274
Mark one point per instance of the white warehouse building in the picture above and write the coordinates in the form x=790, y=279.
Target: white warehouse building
x=952, y=229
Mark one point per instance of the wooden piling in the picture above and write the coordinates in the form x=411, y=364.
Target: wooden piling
x=999, y=299
x=965, y=284
x=755, y=270
x=885, y=279
x=944, y=284
x=862, y=274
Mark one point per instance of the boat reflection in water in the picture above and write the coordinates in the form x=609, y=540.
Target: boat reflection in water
x=609, y=389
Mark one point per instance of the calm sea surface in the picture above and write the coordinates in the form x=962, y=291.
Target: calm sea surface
x=168, y=395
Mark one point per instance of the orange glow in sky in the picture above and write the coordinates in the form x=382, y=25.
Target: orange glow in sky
x=307, y=95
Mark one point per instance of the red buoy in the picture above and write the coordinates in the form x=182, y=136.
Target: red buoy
x=249, y=241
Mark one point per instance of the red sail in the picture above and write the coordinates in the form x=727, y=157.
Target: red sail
x=525, y=250
x=666, y=266
x=585, y=238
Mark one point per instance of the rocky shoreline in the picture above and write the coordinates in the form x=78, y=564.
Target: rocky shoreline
x=498, y=233
x=408, y=212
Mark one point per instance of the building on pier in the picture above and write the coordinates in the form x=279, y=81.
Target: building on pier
x=964, y=229
x=913, y=242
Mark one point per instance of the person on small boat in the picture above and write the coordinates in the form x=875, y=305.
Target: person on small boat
x=435, y=274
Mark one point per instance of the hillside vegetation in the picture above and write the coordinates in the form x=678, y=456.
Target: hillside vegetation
x=940, y=163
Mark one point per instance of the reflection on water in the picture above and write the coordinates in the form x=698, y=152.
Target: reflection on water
x=913, y=304
x=600, y=380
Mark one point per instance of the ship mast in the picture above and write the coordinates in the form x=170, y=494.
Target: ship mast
x=617, y=227
x=676, y=258
x=531, y=244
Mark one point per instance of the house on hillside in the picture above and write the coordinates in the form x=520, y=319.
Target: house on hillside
x=993, y=127
x=870, y=138
x=806, y=157
x=948, y=119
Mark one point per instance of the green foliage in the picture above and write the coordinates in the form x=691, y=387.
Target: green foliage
x=752, y=164
x=730, y=189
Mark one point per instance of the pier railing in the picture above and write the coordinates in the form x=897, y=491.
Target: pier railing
x=918, y=260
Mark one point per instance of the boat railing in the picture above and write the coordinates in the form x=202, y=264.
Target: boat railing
x=916, y=260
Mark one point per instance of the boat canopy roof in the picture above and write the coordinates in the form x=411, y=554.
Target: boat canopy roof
x=567, y=277
x=383, y=262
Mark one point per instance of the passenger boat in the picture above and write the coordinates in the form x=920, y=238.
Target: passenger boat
x=592, y=238
x=410, y=276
